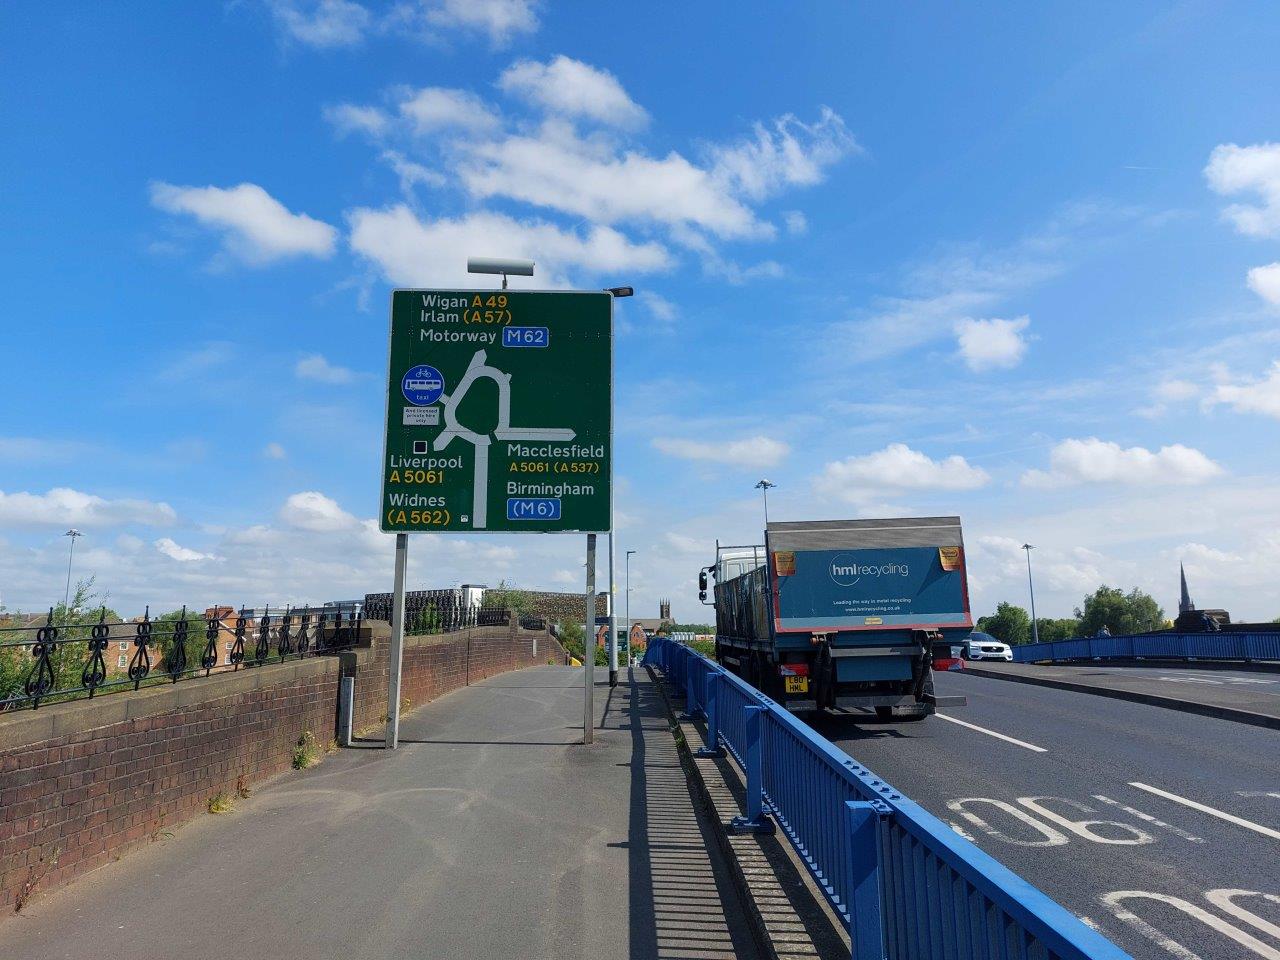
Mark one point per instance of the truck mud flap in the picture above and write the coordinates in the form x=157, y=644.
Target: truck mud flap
x=945, y=701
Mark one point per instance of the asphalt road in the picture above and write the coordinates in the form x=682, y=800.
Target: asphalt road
x=1252, y=691
x=1160, y=828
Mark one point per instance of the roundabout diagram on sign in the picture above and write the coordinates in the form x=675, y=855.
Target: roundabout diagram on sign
x=477, y=369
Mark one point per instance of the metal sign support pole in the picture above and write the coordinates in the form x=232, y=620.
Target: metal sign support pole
x=613, y=620
x=589, y=647
x=397, y=643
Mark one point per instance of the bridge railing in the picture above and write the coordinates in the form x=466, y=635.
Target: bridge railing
x=1156, y=646
x=906, y=885
x=55, y=660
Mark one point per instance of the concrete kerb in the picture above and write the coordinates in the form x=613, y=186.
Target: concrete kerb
x=789, y=919
x=1151, y=699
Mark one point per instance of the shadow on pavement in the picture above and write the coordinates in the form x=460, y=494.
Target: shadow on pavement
x=683, y=903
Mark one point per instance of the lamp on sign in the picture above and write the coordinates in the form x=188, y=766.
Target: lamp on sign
x=514, y=268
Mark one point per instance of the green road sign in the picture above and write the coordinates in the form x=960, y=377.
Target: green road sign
x=499, y=412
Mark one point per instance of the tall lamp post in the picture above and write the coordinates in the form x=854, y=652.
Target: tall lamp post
x=763, y=486
x=1035, y=629
x=627, y=616
x=66, y=597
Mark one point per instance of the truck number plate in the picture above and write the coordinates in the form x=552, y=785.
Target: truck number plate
x=797, y=684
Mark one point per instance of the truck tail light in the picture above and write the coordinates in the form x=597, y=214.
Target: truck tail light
x=793, y=669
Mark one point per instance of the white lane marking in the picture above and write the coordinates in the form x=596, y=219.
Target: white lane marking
x=962, y=831
x=1115, y=902
x=1222, y=899
x=1149, y=819
x=1213, y=812
x=1084, y=828
x=991, y=733
x=1052, y=838
x=1258, y=793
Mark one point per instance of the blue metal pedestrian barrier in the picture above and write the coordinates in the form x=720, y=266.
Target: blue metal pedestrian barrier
x=1156, y=646
x=906, y=885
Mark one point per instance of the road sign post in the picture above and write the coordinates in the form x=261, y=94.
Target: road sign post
x=499, y=419
x=589, y=647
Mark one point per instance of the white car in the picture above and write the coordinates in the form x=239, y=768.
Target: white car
x=983, y=646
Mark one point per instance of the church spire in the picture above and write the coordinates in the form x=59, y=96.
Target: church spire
x=1185, y=604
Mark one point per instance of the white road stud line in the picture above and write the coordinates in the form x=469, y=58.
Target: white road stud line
x=1149, y=819
x=1213, y=812
x=991, y=733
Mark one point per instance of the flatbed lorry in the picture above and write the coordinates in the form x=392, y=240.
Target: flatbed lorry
x=841, y=614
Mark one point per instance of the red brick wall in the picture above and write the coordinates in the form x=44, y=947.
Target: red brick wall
x=82, y=782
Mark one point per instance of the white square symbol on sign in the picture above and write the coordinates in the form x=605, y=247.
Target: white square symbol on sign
x=421, y=416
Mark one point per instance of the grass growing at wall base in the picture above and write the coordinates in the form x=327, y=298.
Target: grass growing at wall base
x=306, y=753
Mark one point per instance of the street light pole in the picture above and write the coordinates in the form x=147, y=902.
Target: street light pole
x=763, y=486
x=66, y=597
x=628, y=606
x=1035, y=629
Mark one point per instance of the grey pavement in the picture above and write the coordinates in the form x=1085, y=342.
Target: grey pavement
x=1247, y=695
x=491, y=833
x=1071, y=806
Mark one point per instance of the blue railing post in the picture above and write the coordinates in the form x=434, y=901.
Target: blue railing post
x=756, y=821
x=691, y=706
x=866, y=922
x=711, y=708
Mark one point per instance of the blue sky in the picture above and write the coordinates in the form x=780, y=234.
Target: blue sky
x=1019, y=263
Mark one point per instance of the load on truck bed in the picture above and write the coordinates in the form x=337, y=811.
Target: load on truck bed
x=843, y=613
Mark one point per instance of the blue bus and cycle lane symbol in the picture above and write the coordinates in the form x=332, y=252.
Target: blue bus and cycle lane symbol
x=422, y=385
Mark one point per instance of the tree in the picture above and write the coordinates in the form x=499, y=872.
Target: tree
x=571, y=638
x=163, y=630
x=1060, y=629
x=1121, y=613
x=74, y=620
x=1009, y=624
x=509, y=598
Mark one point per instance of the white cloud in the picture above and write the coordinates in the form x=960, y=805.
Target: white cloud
x=1175, y=391
x=63, y=505
x=1265, y=282
x=411, y=173
x=257, y=229
x=175, y=551
x=1234, y=169
x=314, y=511
x=588, y=177
x=662, y=311
x=409, y=251
x=895, y=468
x=315, y=367
x=1256, y=396
x=500, y=20
x=274, y=451
x=322, y=23
x=1167, y=393
x=354, y=118
x=1099, y=461
x=992, y=344
x=432, y=109
x=757, y=451
x=572, y=88
x=795, y=222
x=784, y=153
x=555, y=168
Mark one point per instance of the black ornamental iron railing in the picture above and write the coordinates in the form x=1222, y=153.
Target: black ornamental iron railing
x=53, y=661
x=438, y=611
